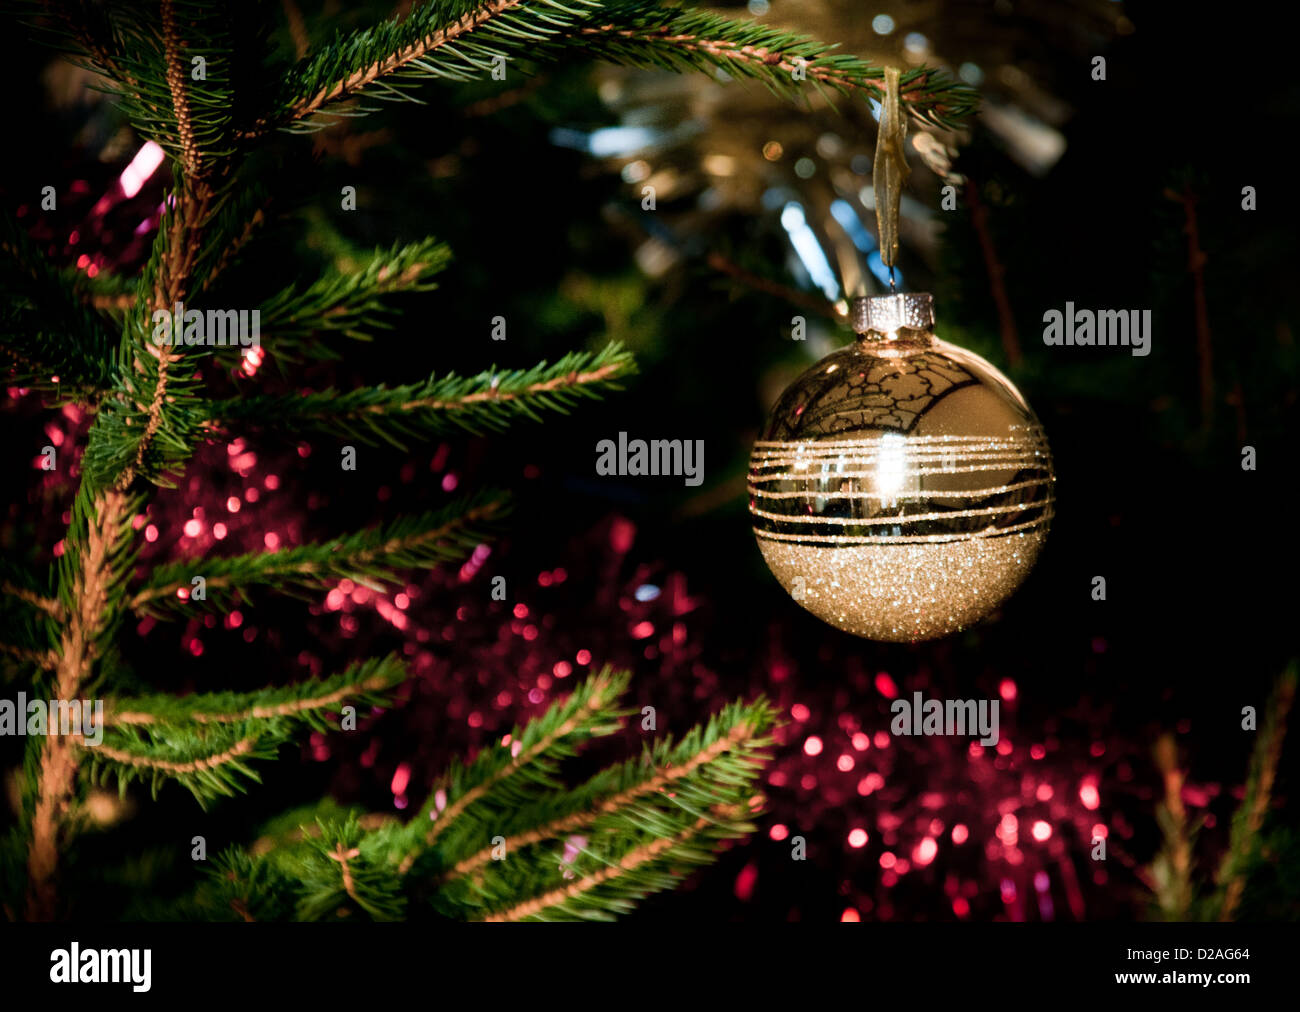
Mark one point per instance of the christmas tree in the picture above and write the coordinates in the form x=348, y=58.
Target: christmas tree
x=597, y=179
x=160, y=361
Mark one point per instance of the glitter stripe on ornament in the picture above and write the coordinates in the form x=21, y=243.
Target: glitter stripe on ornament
x=1039, y=524
x=895, y=519
x=1032, y=435
x=951, y=461
x=937, y=494
x=904, y=592
x=895, y=489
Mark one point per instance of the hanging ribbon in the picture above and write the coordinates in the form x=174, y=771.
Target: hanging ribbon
x=890, y=170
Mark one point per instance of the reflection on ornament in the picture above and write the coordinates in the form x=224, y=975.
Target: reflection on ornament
x=902, y=487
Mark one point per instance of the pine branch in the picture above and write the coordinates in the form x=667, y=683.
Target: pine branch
x=1248, y=820
x=30, y=620
x=230, y=251
x=644, y=823
x=490, y=401
x=341, y=870
x=46, y=660
x=92, y=573
x=458, y=40
x=206, y=742
x=147, y=424
x=99, y=545
x=296, y=826
x=645, y=34
x=398, y=48
x=295, y=871
x=505, y=777
x=83, y=30
x=46, y=329
x=364, y=684
x=97, y=555
x=626, y=875
x=33, y=597
x=246, y=888
x=190, y=156
x=588, y=853
x=1171, y=870
x=354, y=303
x=111, y=295
x=209, y=760
x=713, y=766
x=147, y=51
x=239, y=210
x=371, y=557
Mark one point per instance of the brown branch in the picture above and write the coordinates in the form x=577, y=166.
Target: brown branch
x=343, y=857
x=78, y=651
x=57, y=766
x=1196, y=258
x=997, y=274
x=805, y=301
x=47, y=659
x=154, y=410
x=512, y=96
x=257, y=712
x=102, y=61
x=241, y=747
x=297, y=27
x=311, y=568
x=568, y=823
x=123, y=301
x=184, y=238
x=349, y=146
x=1175, y=896
x=176, y=84
x=48, y=605
x=1238, y=400
x=94, y=49
x=232, y=250
x=265, y=844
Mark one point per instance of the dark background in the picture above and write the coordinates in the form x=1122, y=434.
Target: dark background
x=1198, y=554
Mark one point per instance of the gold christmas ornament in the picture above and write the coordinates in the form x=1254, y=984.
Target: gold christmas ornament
x=902, y=487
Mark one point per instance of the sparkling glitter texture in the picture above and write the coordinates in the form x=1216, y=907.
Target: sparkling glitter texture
x=902, y=488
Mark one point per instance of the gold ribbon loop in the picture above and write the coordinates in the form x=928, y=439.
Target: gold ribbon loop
x=890, y=169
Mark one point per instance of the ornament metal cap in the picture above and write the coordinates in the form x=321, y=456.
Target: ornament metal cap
x=887, y=314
